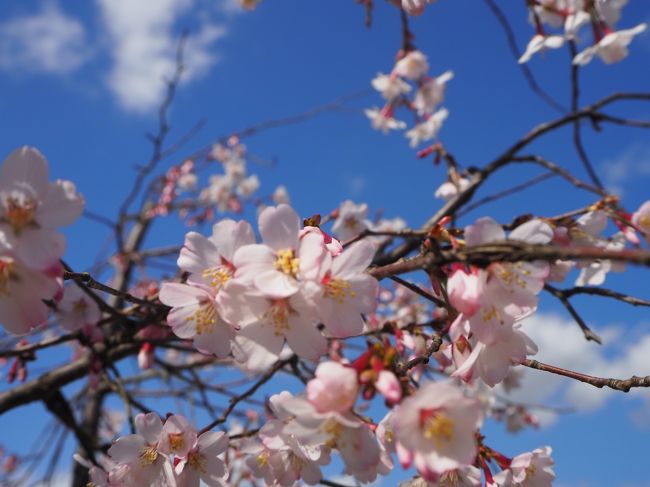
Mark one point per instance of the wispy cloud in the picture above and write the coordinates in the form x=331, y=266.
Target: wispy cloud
x=143, y=44
x=562, y=343
x=141, y=39
x=48, y=41
x=626, y=167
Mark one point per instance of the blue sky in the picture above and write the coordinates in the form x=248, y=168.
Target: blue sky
x=87, y=96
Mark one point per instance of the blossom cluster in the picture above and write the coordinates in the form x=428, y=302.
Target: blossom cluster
x=412, y=67
x=609, y=44
x=170, y=454
x=31, y=210
x=252, y=297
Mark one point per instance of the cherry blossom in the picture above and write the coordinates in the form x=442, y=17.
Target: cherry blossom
x=22, y=292
x=540, y=43
x=390, y=86
x=428, y=129
x=194, y=315
x=611, y=48
x=77, y=309
x=344, y=291
x=352, y=219
x=431, y=93
x=202, y=463
x=276, y=266
x=435, y=429
x=531, y=469
x=412, y=66
x=334, y=388
x=382, y=119
x=31, y=209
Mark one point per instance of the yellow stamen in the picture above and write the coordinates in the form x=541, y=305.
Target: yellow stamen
x=339, y=290
x=148, y=455
x=218, y=276
x=438, y=427
x=205, y=317
x=20, y=214
x=176, y=441
x=287, y=262
x=197, y=462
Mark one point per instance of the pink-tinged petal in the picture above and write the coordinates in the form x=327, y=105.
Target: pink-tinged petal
x=216, y=340
x=25, y=169
x=466, y=370
x=533, y=232
x=20, y=316
x=311, y=254
x=229, y=235
x=213, y=443
x=149, y=426
x=215, y=472
x=39, y=248
x=198, y=253
x=354, y=260
x=61, y=206
x=176, y=294
x=258, y=346
x=239, y=307
x=388, y=385
x=127, y=448
x=279, y=227
x=250, y=259
x=306, y=340
x=275, y=284
x=181, y=320
x=365, y=289
x=485, y=230
x=341, y=320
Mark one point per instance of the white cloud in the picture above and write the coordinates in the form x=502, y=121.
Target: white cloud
x=626, y=167
x=143, y=46
x=45, y=42
x=561, y=343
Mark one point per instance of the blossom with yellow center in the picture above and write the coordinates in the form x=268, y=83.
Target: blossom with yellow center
x=205, y=317
x=20, y=214
x=197, y=461
x=6, y=274
x=148, y=456
x=436, y=426
x=339, y=290
x=218, y=276
x=278, y=316
x=287, y=262
x=176, y=441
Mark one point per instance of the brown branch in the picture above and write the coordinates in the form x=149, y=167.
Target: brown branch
x=617, y=384
x=577, y=136
x=510, y=251
x=528, y=74
x=588, y=333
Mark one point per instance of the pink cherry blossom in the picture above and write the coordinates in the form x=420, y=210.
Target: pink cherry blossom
x=345, y=291
x=177, y=436
x=540, y=43
x=202, y=463
x=390, y=86
x=210, y=260
x=382, y=119
x=611, y=48
x=77, y=309
x=431, y=93
x=265, y=323
x=435, y=429
x=334, y=388
x=412, y=66
x=22, y=292
x=31, y=209
x=276, y=266
x=641, y=219
x=194, y=315
x=351, y=220
x=531, y=469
